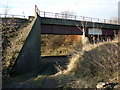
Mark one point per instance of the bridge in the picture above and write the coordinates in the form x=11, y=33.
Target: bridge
x=57, y=23
x=29, y=58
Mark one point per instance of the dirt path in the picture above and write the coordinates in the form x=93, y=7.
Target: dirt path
x=50, y=82
x=21, y=83
x=27, y=82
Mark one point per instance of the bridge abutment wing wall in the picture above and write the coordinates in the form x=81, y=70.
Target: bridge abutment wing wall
x=29, y=57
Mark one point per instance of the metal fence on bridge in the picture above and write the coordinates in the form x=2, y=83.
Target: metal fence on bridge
x=11, y=16
x=73, y=17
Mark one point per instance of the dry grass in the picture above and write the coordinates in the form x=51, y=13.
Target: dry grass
x=94, y=63
x=12, y=51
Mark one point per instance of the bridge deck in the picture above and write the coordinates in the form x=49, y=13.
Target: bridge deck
x=57, y=23
x=73, y=17
x=45, y=20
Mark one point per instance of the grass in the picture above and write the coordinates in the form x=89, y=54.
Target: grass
x=33, y=81
x=13, y=40
x=94, y=63
x=19, y=78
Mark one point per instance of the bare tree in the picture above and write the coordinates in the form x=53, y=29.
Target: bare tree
x=83, y=29
x=66, y=14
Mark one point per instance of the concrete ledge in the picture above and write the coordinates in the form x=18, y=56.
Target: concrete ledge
x=64, y=58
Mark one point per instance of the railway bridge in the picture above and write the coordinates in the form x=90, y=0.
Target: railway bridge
x=29, y=58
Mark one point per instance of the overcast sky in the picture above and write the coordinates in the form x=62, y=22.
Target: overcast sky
x=91, y=8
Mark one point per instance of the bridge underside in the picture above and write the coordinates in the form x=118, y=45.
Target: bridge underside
x=70, y=30
x=71, y=27
x=60, y=29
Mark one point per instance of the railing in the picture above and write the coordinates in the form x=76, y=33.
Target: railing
x=73, y=17
x=37, y=10
x=11, y=15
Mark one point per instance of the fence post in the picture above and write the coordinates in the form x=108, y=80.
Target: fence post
x=91, y=19
x=75, y=17
x=66, y=16
x=55, y=15
x=44, y=14
x=104, y=20
x=110, y=21
x=35, y=8
x=83, y=18
x=98, y=20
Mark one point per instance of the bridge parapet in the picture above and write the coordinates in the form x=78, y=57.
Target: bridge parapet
x=73, y=17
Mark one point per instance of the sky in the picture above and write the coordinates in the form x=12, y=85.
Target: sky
x=104, y=9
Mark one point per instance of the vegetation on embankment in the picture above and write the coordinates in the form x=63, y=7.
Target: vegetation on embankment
x=96, y=63
x=14, y=33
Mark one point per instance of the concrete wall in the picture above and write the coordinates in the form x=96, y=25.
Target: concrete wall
x=29, y=57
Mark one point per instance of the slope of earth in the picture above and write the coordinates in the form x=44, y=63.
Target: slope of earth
x=97, y=63
x=14, y=33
